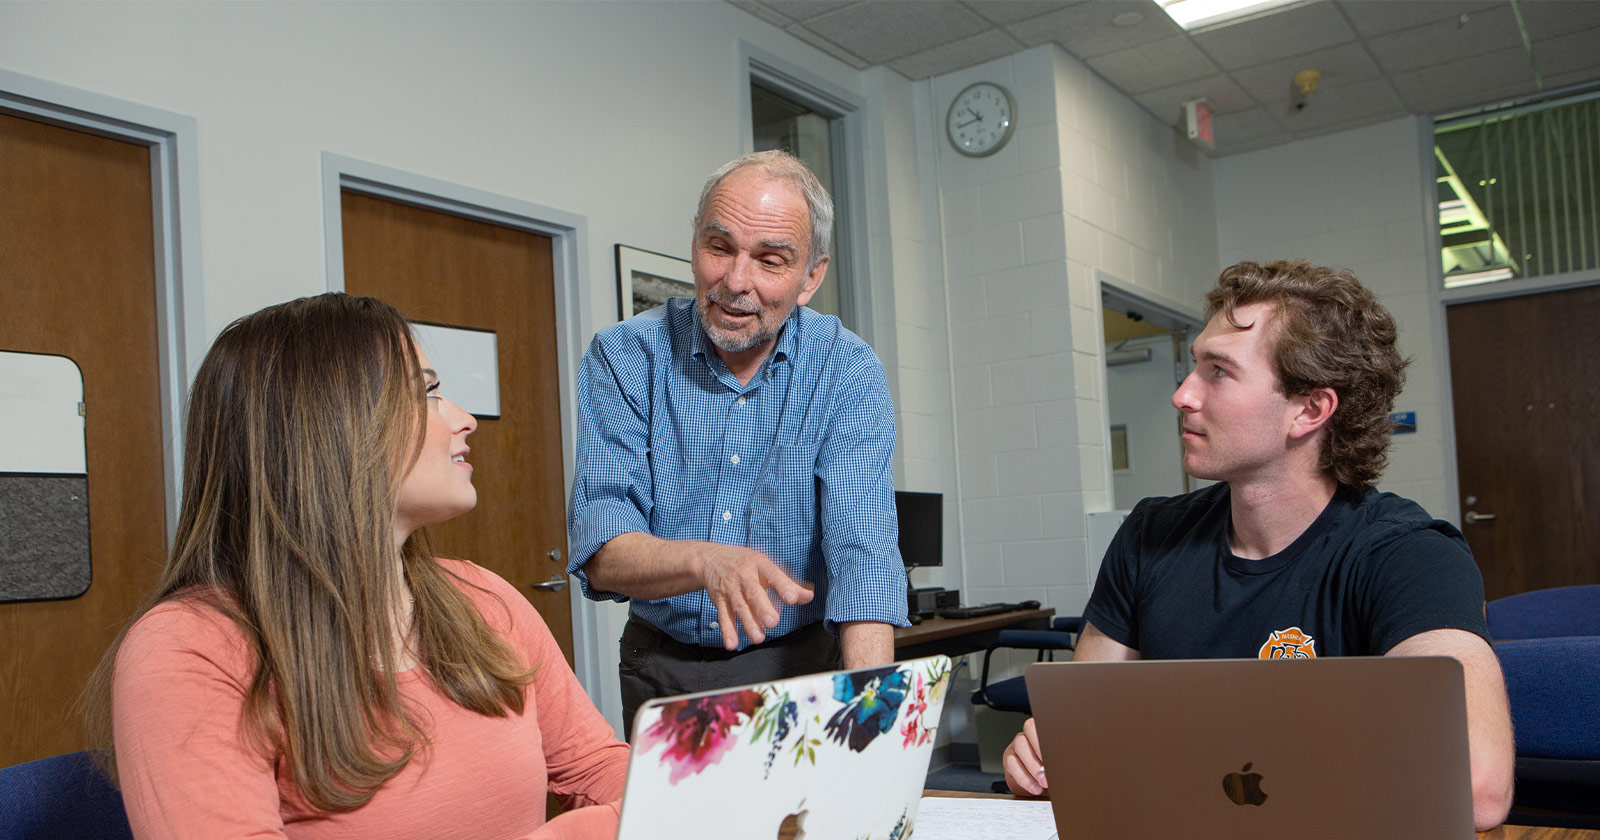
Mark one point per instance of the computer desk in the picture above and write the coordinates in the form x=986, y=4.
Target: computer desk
x=1504, y=832
x=959, y=636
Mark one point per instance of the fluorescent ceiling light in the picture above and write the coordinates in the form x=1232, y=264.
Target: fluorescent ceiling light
x=1491, y=276
x=1194, y=14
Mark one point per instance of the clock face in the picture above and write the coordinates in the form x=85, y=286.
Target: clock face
x=981, y=119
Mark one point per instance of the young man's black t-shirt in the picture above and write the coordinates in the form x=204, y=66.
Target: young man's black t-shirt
x=1373, y=570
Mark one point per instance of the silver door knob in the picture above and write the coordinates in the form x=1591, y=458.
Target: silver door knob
x=556, y=583
x=1474, y=516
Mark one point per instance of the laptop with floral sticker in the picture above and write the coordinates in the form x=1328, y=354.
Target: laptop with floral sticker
x=841, y=755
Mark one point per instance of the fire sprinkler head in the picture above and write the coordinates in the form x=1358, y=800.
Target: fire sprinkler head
x=1306, y=81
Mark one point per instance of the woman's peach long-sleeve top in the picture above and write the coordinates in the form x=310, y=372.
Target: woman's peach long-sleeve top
x=188, y=770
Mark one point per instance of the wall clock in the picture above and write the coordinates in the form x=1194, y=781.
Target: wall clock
x=981, y=119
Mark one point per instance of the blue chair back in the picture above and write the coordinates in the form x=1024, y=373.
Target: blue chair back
x=1554, y=686
x=1542, y=613
x=60, y=798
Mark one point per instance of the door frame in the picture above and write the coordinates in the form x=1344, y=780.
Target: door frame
x=181, y=338
x=569, y=254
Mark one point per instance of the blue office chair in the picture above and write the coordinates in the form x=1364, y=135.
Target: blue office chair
x=63, y=797
x=1542, y=613
x=1554, y=687
x=1011, y=695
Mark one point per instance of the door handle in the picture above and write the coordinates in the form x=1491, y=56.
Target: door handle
x=1474, y=516
x=556, y=583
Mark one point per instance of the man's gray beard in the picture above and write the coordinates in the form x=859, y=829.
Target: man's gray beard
x=732, y=342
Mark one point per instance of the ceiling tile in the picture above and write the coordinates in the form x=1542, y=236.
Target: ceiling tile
x=1357, y=104
x=1011, y=11
x=1374, y=18
x=1154, y=65
x=1085, y=30
x=1345, y=64
x=1481, y=80
x=1548, y=18
x=1569, y=53
x=1270, y=37
x=1166, y=104
x=763, y=11
x=880, y=32
x=1246, y=126
x=799, y=30
x=1436, y=43
x=806, y=9
x=966, y=52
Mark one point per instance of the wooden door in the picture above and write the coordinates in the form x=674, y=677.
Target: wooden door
x=1526, y=377
x=460, y=272
x=77, y=278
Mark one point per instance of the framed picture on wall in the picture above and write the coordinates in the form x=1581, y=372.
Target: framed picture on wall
x=646, y=279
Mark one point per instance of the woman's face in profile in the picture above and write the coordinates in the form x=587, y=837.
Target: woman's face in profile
x=439, y=485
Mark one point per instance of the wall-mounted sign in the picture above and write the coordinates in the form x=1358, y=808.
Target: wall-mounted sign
x=468, y=363
x=1405, y=422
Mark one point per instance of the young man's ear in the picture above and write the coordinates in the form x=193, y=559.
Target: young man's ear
x=1316, y=409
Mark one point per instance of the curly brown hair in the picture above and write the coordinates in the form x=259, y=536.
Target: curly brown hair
x=1331, y=333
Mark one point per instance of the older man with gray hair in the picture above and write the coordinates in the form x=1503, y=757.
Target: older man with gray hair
x=733, y=469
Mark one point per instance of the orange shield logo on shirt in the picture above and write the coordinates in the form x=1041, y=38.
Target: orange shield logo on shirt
x=1292, y=643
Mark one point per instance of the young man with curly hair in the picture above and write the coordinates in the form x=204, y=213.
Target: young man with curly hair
x=1294, y=553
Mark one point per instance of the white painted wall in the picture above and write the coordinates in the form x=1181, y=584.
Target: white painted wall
x=612, y=111
x=1359, y=200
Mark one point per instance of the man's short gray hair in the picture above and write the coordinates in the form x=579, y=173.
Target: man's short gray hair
x=777, y=164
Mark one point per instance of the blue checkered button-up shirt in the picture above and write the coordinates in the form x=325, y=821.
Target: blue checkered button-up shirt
x=795, y=464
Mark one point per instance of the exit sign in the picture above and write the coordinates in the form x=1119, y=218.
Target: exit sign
x=1197, y=118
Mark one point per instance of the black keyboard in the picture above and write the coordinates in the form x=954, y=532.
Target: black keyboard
x=978, y=611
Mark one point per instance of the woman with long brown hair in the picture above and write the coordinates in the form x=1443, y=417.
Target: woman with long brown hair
x=306, y=667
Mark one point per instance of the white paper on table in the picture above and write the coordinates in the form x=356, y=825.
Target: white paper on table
x=943, y=818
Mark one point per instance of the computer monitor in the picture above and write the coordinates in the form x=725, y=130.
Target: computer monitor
x=921, y=518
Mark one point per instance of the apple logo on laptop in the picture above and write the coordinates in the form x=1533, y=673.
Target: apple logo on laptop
x=1244, y=787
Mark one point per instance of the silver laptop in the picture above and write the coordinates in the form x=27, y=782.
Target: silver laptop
x=1320, y=748
x=841, y=755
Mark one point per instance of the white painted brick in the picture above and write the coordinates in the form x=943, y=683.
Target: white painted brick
x=1110, y=171
x=1044, y=239
x=1062, y=515
x=1034, y=562
x=1080, y=280
x=1098, y=206
x=1049, y=468
x=1027, y=288
x=973, y=389
x=1086, y=327
x=983, y=566
x=1070, y=599
x=1037, y=148
x=1031, y=380
x=1023, y=197
x=1004, y=337
x=1116, y=256
x=968, y=299
x=917, y=390
x=1083, y=241
x=1007, y=429
x=1095, y=469
x=1048, y=329
x=992, y=248
x=1086, y=375
x=980, y=477
x=1056, y=420
x=916, y=433
x=1091, y=422
x=962, y=208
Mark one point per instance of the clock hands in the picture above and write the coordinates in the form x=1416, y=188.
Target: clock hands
x=976, y=117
